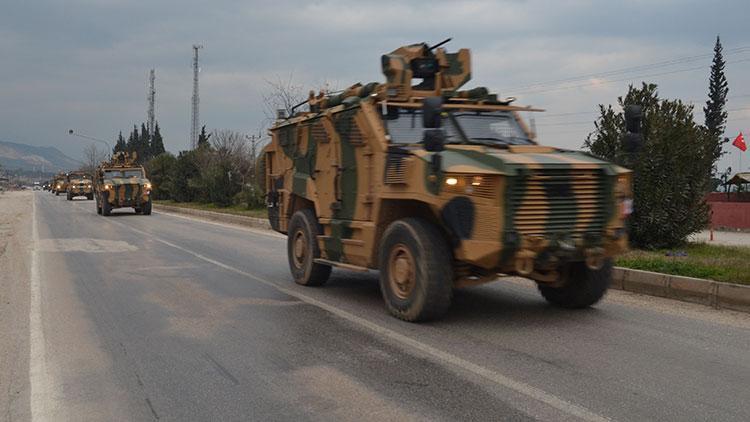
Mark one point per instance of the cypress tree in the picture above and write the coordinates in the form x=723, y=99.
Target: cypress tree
x=715, y=109
x=203, y=139
x=120, y=145
x=157, y=143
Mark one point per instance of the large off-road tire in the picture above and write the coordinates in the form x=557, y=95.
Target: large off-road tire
x=146, y=210
x=583, y=288
x=416, y=270
x=98, y=206
x=90, y=196
x=302, y=250
x=57, y=193
x=106, y=206
x=70, y=196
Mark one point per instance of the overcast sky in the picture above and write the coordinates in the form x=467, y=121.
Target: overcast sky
x=84, y=64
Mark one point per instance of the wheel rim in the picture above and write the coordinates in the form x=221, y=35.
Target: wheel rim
x=299, y=248
x=401, y=271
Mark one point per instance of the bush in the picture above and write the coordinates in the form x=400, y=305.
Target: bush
x=160, y=170
x=671, y=172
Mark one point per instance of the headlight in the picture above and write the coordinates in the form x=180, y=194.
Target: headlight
x=485, y=186
x=107, y=186
x=147, y=185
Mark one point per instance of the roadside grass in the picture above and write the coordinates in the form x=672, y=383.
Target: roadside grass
x=729, y=264
x=233, y=209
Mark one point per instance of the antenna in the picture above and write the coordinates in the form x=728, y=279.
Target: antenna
x=151, y=118
x=194, y=128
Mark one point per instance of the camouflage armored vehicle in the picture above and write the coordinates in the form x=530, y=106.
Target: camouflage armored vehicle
x=80, y=184
x=439, y=188
x=120, y=183
x=60, y=183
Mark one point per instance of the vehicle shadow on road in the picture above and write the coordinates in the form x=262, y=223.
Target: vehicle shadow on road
x=501, y=302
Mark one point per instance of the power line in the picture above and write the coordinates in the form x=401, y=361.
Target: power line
x=649, y=66
x=603, y=82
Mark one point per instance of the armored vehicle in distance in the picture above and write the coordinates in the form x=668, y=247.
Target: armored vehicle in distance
x=120, y=183
x=79, y=183
x=60, y=184
x=439, y=188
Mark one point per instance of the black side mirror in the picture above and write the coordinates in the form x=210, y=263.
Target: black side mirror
x=434, y=140
x=431, y=109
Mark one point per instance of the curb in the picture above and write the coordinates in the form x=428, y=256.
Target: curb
x=687, y=289
x=241, y=220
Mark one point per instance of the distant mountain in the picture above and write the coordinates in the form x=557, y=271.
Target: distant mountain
x=14, y=156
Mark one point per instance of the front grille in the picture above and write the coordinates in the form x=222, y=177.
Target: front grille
x=560, y=201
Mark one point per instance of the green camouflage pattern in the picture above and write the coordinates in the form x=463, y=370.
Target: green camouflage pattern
x=523, y=209
x=119, y=192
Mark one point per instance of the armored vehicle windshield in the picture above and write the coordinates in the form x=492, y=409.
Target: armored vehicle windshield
x=122, y=173
x=496, y=128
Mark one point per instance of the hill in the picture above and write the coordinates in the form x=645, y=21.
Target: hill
x=15, y=156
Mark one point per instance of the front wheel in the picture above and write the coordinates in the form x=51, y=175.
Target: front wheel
x=302, y=250
x=583, y=288
x=106, y=206
x=416, y=272
x=146, y=210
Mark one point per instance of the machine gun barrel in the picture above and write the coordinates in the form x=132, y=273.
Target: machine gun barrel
x=445, y=41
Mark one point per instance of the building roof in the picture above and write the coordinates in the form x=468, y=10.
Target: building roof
x=739, y=178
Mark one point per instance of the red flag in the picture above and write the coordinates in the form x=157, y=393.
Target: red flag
x=739, y=142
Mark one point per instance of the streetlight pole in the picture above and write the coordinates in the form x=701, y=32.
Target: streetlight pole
x=74, y=133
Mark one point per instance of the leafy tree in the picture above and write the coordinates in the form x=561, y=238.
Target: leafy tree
x=714, y=111
x=186, y=170
x=671, y=172
x=157, y=143
x=203, y=138
x=161, y=173
x=120, y=145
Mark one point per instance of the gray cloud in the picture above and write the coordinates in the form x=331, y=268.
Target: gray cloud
x=83, y=64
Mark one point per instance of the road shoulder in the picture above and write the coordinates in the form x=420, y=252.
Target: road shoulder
x=15, y=232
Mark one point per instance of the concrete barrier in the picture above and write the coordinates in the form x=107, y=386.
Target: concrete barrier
x=687, y=289
x=241, y=220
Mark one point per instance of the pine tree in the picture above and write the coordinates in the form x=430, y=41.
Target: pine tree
x=715, y=112
x=133, y=139
x=157, y=143
x=203, y=139
x=120, y=145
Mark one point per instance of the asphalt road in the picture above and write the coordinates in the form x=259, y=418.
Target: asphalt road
x=164, y=317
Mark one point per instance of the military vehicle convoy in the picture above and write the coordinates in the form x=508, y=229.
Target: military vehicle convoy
x=79, y=183
x=59, y=183
x=120, y=183
x=439, y=188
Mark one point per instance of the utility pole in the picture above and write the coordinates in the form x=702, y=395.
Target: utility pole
x=151, y=118
x=195, y=126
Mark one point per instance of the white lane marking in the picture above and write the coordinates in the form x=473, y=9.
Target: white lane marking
x=500, y=379
x=264, y=232
x=85, y=245
x=40, y=385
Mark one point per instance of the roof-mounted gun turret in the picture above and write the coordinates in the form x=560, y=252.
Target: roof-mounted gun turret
x=441, y=73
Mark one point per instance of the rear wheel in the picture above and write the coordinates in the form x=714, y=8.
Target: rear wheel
x=90, y=196
x=416, y=272
x=583, y=288
x=302, y=250
x=98, y=206
x=70, y=196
